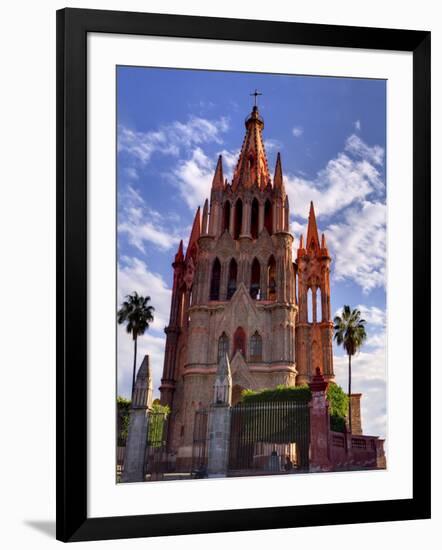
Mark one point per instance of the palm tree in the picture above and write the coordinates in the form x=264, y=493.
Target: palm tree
x=137, y=315
x=350, y=334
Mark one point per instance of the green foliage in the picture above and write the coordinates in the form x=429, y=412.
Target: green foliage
x=123, y=408
x=338, y=407
x=158, y=408
x=338, y=400
x=157, y=421
x=337, y=423
x=280, y=393
x=157, y=427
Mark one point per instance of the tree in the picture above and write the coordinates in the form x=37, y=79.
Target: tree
x=137, y=315
x=350, y=334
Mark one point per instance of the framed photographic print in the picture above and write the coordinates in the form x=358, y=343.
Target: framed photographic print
x=243, y=298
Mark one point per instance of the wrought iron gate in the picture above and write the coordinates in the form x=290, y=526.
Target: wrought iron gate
x=269, y=437
x=155, y=462
x=200, y=440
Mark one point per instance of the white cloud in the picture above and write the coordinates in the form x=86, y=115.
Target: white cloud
x=371, y=314
x=171, y=139
x=134, y=275
x=358, y=246
x=358, y=125
x=358, y=240
x=141, y=223
x=297, y=131
x=355, y=145
x=148, y=344
x=194, y=178
x=368, y=371
x=368, y=378
x=230, y=158
x=350, y=177
x=272, y=145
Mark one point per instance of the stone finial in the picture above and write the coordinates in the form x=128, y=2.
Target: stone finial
x=318, y=383
x=223, y=383
x=142, y=397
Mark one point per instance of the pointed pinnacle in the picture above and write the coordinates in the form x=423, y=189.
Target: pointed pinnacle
x=196, y=231
x=277, y=180
x=179, y=255
x=312, y=230
x=218, y=179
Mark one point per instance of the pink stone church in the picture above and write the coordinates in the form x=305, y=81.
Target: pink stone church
x=239, y=289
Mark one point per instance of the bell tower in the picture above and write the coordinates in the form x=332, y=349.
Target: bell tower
x=314, y=327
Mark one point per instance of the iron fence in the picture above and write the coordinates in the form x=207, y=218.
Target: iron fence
x=200, y=442
x=269, y=437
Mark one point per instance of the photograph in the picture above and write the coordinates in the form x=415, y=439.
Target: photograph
x=251, y=303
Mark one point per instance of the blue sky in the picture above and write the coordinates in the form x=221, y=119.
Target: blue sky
x=331, y=133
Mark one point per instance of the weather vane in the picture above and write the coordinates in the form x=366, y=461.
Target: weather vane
x=256, y=94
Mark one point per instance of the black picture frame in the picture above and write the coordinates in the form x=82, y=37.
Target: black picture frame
x=73, y=25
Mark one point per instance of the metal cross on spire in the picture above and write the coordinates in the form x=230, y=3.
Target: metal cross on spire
x=256, y=94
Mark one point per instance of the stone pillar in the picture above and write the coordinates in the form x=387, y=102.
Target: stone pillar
x=219, y=421
x=133, y=469
x=232, y=219
x=261, y=218
x=356, y=422
x=319, y=425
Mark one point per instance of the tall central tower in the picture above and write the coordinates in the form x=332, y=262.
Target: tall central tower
x=233, y=292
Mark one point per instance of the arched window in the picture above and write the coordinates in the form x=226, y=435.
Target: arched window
x=271, y=279
x=319, y=310
x=215, y=280
x=238, y=219
x=239, y=341
x=268, y=218
x=255, y=280
x=309, y=306
x=254, y=219
x=231, y=283
x=226, y=217
x=223, y=346
x=286, y=214
x=256, y=347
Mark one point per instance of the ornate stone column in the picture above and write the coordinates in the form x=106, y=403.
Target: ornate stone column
x=219, y=421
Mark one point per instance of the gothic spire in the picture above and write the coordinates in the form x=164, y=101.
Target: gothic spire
x=252, y=167
x=179, y=256
x=195, y=233
x=218, y=180
x=277, y=179
x=312, y=230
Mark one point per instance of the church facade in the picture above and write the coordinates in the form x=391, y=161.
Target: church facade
x=240, y=289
